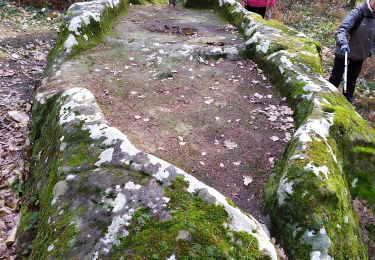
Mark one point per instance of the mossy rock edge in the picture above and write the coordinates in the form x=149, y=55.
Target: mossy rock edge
x=331, y=157
x=83, y=27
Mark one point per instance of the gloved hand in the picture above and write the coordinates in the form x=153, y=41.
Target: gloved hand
x=344, y=48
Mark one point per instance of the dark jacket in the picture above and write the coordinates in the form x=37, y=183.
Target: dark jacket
x=359, y=27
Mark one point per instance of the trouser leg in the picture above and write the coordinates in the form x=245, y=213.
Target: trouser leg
x=258, y=10
x=337, y=71
x=354, y=69
x=262, y=11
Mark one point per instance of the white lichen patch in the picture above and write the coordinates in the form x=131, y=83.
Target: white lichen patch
x=77, y=98
x=166, y=199
x=70, y=177
x=81, y=16
x=284, y=189
x=119, y=202
x=118, y=223
x=132, y=186
x=105, y=156
x=172, y=257
x=70, y=43
x=263, y=47
x=320, y=243
x=83, y=19
x=111, y=135
x=50, y=248
x=318, y=127
x=62, y=146
x=285, y=63
x=354, y=183
x=59, y=190
x=317, y=170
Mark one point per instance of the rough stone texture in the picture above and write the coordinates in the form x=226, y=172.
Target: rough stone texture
x=331, y=157
x=83, y=27
x=92, y=194
x=91, y=181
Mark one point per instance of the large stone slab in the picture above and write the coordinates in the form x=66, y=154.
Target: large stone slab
x=93, y=195
x=100, y=197
x=331, y=157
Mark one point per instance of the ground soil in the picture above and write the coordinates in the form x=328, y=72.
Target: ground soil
x=159, y=78
x=24, y=44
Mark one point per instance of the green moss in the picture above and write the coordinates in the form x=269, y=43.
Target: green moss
x=80, y=155
x=312, y=63
x=204, y=222
x=365, y=150
x=45, y=143
x=62, y=235
x=81, y=149
x=244, y=245
x=278, y=25
x=317, y=201
x=358, y=156
x=230, y=202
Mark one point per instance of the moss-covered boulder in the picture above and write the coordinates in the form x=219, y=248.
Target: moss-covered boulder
x=331, y=157
x=92, y=194
x=83, y=27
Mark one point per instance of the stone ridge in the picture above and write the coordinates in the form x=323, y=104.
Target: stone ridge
x=79, y=115
x=309, y=195
x=90, y=184
x=83, y=27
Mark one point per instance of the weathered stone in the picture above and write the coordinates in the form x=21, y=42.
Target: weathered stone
x=11, y=237
x=5, y=211
x=183, y=235
x=308, y=193
x=12, y=203
x=116, y=186
x=116, y=198
x=19, y=117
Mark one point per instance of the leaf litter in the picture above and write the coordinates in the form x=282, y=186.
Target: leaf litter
x=25, y=39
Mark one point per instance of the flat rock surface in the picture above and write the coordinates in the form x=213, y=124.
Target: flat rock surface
x=173, y=81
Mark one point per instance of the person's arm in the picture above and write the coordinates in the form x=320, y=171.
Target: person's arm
x=344, y=30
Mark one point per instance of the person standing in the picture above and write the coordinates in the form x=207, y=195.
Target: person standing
x=356, y=36
x=259, y=6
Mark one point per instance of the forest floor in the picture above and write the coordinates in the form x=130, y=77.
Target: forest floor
x=26, y=36
x=319, y=20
